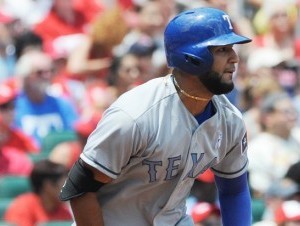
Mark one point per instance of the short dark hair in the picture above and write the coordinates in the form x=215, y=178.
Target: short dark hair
x=294, y=172
x=28, y=38
x=46, y=170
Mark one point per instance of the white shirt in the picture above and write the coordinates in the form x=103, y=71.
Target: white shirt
x=269, y=159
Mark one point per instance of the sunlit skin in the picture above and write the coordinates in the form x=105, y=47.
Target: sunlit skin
x=151, y=18
x=219, y=80
x=283, y=119
x=38, y=76
x=129, y=73
x=225, y=59
x=220, y=4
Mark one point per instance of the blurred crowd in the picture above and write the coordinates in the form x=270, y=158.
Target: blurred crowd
x=63, y=62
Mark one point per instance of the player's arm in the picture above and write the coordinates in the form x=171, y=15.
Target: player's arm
x=235, y=200
x=80, y=188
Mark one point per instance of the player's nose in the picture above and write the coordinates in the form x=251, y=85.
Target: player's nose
x=234, y=58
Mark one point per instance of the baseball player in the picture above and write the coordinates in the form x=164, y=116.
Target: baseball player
x=139, y=164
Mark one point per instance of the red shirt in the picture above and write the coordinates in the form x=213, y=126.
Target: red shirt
x=21, y=141
x=53, y=27
x=89, y=8
x=27, y=210
x=15, y=138
x=261, y=41
x=14, y=162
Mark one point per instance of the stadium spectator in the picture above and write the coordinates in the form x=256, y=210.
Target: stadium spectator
x=148, y=30
x=254, y=91
x=125, y=73
x=203, y=190
x=276, y=23
x=7, y=53
x=293, y=173
x=92, y=58
x=67, y=153
x=276, y=148
x=14, y=144
x=42, y=204
x=206, y=214
x=288, y=214
x=37, y=112
x=62, y=20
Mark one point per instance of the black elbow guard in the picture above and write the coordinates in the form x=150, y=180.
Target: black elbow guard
x=80, y=180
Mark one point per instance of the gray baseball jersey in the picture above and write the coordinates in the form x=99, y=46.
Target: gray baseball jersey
x=154, y=148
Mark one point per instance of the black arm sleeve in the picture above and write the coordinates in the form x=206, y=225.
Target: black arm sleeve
x=80, y=180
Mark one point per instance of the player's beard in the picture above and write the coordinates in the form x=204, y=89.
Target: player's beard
x=215, y=84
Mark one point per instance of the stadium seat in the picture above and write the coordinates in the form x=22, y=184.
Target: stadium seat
x=35, y=157
x=4, y=223
x=54, y=138
x=4, y=203
x=50, y=141
x=12, y=186
x=56, y=223
x=258, y=208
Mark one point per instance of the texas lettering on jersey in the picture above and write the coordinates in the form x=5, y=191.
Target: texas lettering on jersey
x=173, y=166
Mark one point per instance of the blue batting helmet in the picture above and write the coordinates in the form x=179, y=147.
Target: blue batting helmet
x=188, y=36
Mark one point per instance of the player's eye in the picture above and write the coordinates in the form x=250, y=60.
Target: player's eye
x=223, y=49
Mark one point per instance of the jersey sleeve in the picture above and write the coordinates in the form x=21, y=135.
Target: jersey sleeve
x=235, y=162
x=111, y=145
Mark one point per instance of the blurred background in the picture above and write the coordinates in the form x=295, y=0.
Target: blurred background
x=63, y=62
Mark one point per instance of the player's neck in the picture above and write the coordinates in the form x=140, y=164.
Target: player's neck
x=191, y=92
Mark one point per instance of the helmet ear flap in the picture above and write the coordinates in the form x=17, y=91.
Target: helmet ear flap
x=193, y=59
x=190, y=63
x=197, y=65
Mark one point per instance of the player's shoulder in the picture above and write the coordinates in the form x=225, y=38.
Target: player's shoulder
x=146, y=96
x=224, y=106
